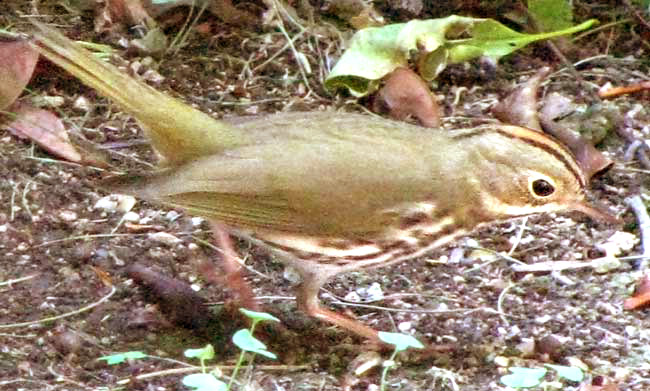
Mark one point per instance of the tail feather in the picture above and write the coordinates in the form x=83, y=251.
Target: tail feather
x=178, y=131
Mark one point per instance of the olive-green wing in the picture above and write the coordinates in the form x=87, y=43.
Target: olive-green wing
x=321, y=184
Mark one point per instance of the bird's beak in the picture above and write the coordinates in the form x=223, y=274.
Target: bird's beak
x=596, y=213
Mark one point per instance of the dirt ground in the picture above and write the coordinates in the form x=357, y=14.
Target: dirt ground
x=56, y=242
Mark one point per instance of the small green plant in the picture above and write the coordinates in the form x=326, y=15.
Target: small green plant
x=247, y=343
x=531, y=377
x=203, y=381
x=244, y=340
x=119, y=358
x=209, y=381
x=401, y=343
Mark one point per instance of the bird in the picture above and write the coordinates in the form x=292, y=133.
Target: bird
x=333, y=192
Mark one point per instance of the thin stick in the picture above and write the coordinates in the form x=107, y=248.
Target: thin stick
x=639, y=209
x=502, y=297
x=520, y=234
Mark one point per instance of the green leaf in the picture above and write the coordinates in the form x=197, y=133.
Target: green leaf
x=258, y=316
x=496, y=40
x=245, y=341
x=204, y=382
x=400, y=341
x=204, y=353
x=376, y=51
x=121, y=357
x=523, y=377
x=570, y=373
x=551, y=14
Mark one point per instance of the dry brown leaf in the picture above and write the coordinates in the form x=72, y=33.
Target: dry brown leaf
x=17, y=62
x=520, y=108
x=103, y=275
x=405, y=93
x=120, y=13
x=45, y=129
x=641, y=297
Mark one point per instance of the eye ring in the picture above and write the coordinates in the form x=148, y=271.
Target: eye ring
x=541, y=187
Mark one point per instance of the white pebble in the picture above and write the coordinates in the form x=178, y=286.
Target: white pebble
x=164, y=237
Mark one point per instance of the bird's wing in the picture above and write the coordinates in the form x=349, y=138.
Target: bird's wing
x=315, y=185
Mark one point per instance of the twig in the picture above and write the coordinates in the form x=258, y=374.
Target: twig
x=502, y=297
x=520, y=234
x=556, y=266
x=175, y=371
x=640, y=149
x=631, y=150
x=642, y=217
x=15, y=280
x=614, y=92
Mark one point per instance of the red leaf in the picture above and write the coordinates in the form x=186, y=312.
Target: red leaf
x=45, y=129
x=17, y=62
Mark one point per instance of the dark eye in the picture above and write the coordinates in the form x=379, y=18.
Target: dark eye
x=542, y=188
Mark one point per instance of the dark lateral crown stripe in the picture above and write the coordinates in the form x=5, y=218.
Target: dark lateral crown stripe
x=537, y=139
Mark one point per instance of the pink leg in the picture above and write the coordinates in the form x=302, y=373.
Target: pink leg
x=307, y=298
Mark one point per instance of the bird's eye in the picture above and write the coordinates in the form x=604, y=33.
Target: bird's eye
x=542, y=188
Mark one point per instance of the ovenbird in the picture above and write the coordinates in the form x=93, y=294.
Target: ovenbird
x=334, y=192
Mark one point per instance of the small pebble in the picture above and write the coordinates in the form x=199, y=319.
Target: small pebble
x=115, y=203
x=68, y=215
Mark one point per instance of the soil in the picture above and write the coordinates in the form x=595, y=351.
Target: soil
x=61, y=253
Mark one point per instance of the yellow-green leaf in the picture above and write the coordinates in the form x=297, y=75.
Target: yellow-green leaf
x=376, y=51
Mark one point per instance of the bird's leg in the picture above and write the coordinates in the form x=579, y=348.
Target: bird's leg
x=233, y=269
x=307, y=299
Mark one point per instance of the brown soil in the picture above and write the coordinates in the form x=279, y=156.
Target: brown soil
x=53, y=240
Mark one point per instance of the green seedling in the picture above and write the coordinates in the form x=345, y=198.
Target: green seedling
x=573, y=374
x=203, y=381
x=524, y=377
x=119, y=358
x=247, y=343
x=401, y=343
x=203, y=354
x=531, y=377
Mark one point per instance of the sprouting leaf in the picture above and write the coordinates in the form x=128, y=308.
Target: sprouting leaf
x=376, y=51
x=523, y=377
x=570, y=373
x=258, y=316
x=245, y=341
x=204, y=382
x=204, y=353
x=400, y=341
x=119, y=358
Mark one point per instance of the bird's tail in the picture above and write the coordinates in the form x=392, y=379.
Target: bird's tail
x=178, y=131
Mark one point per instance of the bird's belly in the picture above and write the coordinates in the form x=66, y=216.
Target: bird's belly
x=341, y=254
